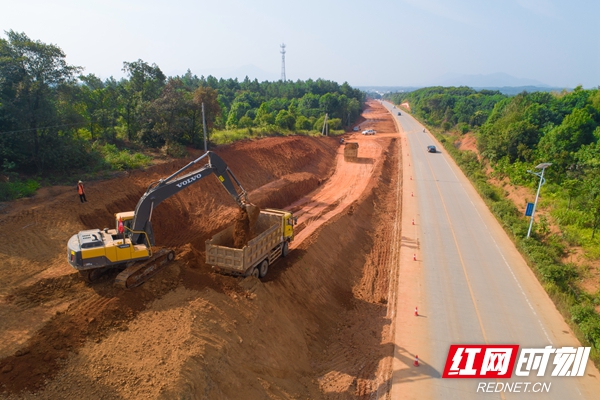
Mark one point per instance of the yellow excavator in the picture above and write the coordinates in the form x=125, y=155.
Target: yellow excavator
x=129, y=246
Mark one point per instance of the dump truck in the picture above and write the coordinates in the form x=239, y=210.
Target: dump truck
x=273, y=230
x=351, y=151
x=129, y=246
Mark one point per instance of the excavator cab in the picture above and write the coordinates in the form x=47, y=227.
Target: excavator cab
x=127, y=218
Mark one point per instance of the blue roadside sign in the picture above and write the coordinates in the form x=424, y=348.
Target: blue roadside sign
x=529, y=210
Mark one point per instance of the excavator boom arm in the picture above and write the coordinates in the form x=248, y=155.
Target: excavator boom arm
x=159, y=191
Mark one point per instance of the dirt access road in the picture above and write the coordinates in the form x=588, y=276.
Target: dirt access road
x=318, y=326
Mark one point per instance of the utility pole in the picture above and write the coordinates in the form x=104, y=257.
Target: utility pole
x=204, y=126
x=283, y=62
x=543, y=167
x=325, y=130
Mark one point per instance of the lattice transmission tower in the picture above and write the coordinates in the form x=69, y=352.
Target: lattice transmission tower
x=283, y=62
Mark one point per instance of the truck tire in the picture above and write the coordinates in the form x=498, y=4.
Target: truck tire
x=263, y=269
x=254, y=272
x=285, y=249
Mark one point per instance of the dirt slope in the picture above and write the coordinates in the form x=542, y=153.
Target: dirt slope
x=316, y=327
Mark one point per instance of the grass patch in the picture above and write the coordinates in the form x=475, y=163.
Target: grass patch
x=233, y=135
x=18, y=189
x=119, y=160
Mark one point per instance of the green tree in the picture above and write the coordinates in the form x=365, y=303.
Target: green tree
x=168, y=117
x=559, y=144
x=237, y=111
x=285, y=119
x=245, y=122
x=212, y=107
x=264, y=116
x=32, y=75
x=303, y=123
x=145, y=79
x=329, y=102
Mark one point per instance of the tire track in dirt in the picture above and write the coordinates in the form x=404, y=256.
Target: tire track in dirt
x=35, y=284
x=192, y=333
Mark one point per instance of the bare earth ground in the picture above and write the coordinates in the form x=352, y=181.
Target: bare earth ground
x=317, y=326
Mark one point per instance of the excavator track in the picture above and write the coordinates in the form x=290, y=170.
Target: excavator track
x=139, y=273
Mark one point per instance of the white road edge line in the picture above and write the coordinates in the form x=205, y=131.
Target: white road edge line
x=501, y=254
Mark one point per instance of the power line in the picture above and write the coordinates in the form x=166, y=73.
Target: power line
x=44, y=127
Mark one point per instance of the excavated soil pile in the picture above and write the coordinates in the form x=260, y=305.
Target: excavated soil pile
x=241, y=229
x=37, y=284
x=316, y=327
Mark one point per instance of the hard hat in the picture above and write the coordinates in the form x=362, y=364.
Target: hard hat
x=80, y=182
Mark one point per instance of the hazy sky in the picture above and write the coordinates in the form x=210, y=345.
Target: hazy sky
x=363, y=42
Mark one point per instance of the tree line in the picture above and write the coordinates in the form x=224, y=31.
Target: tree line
x=515, y=133
x=447, y=107
x=54, y=119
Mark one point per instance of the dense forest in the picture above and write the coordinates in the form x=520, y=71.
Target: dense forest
x=448, y=107
x=515, y=132
x=55, y=120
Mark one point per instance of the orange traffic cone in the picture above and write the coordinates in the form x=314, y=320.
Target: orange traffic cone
x=413, y=221
x=416, y=363
x=411, y=194
x=411, y=178
x=415, y=257
x=416, y=311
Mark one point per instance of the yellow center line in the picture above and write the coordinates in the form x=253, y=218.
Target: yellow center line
x=462, y=263
x=502, y=396
x=461, y=258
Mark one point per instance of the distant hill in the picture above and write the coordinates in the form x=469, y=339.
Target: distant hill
x=387, y=89
x=496, y=80
x=514, y=90
x=507, y=90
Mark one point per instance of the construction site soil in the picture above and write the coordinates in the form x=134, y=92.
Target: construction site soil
x=317, y=326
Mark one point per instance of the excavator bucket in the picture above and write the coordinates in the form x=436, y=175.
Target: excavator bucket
x=253, y=213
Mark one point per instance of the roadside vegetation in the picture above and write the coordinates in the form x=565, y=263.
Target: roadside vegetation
x=514, y=134
x=58, y=124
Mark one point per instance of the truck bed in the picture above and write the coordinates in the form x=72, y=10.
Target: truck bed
x=268, y=232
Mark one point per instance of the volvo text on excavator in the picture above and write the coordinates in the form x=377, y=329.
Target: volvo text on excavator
x=129, y=246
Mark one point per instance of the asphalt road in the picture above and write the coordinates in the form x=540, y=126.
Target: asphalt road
x=476, y=288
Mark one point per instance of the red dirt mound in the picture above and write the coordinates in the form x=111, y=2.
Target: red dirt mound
x=241, y=229
x=315, y=327
x=36, y=231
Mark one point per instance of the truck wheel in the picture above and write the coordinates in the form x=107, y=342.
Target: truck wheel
x=254, y=272
x=285, y=249
x=264, y=268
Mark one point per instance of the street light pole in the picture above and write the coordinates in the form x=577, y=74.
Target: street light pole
x=543, y=166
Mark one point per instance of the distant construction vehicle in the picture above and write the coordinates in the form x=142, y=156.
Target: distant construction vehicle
x=274, y=231
x=351, y=151
x=129, y=246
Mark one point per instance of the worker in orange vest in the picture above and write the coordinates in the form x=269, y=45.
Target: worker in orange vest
x=81, y=192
